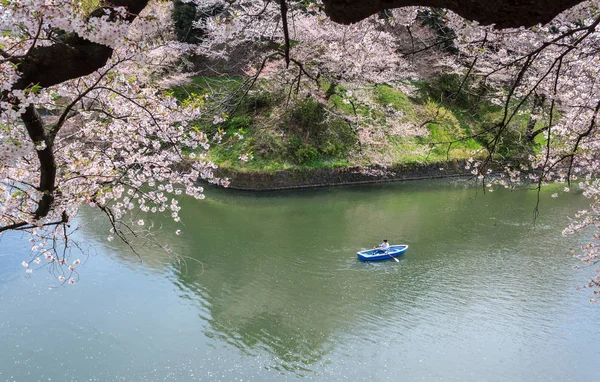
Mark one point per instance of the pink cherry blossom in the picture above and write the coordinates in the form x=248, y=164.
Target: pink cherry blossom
x=120, y=145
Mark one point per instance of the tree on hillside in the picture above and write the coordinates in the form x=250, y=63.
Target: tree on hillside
x=548, y=72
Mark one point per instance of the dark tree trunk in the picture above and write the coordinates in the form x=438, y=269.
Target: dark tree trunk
x=75, y=57
x=503, y=13
x=50, y=65
x=538, y=104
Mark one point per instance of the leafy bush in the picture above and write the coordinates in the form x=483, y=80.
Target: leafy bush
x=443, y=117
x=258, y=100
x=267, y=145
x=307, y=118
x=340, y=139
x=239, y=123
x=334, y=149
x=387, y=95
x=306, y=155
x=314, y=136
x=301, y=153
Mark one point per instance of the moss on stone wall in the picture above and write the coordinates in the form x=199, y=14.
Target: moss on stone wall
x=325, y=177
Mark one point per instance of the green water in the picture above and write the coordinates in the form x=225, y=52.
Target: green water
x=270, y=289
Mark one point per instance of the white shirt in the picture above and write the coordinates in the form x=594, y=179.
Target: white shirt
x=385, y=246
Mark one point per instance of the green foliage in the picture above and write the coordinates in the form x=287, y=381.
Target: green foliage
x=307, y=118
x=308, y=133
x=212, y=86
x=447, y=134
x=454, y=91
x=387, y=95
x=301, y=153
x=511, y=143
x=337, y=102
x=444, y=118
x=267, y=144
x=239, y=123
x=89, y=5
x=314, y=136
x=184, y=15
x=466, y=99
x=447, y=138
x=306, y=155
x=340, y=139
x=193, y=100
x=324, y=84
x=257, y=100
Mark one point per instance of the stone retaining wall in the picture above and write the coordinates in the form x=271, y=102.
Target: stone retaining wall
x=324, y=177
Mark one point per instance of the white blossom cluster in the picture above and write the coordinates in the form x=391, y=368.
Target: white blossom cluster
x=120, y=145
x=117, y=143
x=560, y=62
x=365, y=50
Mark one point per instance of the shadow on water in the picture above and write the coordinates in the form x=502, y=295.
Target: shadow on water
x=276, y=273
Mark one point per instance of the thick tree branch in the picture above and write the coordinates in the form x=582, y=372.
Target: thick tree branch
x=286, y=33
x=75, y=57
x=503, y=13
x=37, y=133
x=50, y=65
x=13, y=226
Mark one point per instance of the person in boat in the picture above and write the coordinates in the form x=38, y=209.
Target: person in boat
x=383, y=247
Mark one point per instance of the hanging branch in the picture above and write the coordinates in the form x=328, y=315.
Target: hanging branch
x=286, y=33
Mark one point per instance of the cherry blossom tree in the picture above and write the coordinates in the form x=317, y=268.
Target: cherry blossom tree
x=300, y=54
x=82, y=124
x=300, y=33
x=551, y=73
x=547, y=71
x=79, y=129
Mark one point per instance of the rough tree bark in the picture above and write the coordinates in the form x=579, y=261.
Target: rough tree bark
x=50, y=65
x=503, y=13
x=75, y=57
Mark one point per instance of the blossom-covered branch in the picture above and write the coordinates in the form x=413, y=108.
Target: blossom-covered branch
x=79, y=127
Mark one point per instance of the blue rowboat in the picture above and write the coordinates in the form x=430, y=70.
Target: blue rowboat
x=375, y=254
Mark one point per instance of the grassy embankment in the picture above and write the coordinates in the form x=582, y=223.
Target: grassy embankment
x=324, y=132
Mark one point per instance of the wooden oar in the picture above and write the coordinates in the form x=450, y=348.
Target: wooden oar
x=387, y=253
